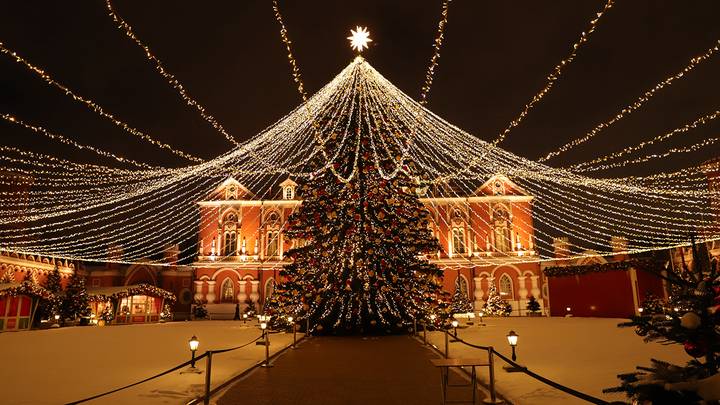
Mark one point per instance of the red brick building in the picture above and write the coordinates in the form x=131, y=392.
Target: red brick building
x=484, y=237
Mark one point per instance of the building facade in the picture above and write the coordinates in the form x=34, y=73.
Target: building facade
x=484, y=238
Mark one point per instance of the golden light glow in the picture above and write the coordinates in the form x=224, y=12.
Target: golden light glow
x=360, y=38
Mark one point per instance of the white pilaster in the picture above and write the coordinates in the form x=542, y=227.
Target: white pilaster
x=478, y=294
x=254, y=295
x=199, y=296
x=534, y=288
x=242, y=295
x=523, y=288
x=211, y=292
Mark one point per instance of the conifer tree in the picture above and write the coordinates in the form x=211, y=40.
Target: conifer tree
x=460, y=302
x=495, y=305
x=533, y=306
x=362, y=234
x=47, y=308
x=76, y=302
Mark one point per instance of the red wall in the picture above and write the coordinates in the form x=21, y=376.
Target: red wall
x=606, y=294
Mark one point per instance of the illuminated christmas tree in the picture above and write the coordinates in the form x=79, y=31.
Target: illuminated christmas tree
x=76, y=302
x=362, y=235
x=495, y=305
x=460, y=302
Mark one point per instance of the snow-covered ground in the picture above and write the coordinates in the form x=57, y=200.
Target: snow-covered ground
x=585, y=354
x=62, y=365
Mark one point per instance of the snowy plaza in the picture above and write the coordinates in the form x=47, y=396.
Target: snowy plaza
x=281, y=203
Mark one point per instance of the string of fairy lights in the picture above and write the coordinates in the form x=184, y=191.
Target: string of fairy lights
x=437, y=45
x=77, y=211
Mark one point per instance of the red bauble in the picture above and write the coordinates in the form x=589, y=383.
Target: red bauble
x=695, y=349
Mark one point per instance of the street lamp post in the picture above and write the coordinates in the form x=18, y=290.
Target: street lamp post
x=455, y=324
x=294, y=329
x=193, y=343
x=57, y=321
x=263, y=326
x=512, y=339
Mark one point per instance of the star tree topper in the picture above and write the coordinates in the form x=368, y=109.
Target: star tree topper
x=360, y=38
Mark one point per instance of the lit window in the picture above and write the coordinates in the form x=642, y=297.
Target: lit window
x=506, y=287
x=458, y=235
x=462, y=285
x=289, y=193
x=230, y=244
x=269, y=288
x=272, y=243
x=227, y=291
x=502, y=230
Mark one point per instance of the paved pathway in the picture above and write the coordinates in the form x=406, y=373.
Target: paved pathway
x=385, y=370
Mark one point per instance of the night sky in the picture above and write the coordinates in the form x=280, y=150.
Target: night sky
x=229, y=56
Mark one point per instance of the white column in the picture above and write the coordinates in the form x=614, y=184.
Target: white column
x=254, y=295
x=478, y=294
x=211, y=292
x=199, y=296
x=523, y=288
x=534, y=289
x=242, y=295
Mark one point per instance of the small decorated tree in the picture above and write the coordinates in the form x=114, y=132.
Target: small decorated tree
x=495, y=305
x=199, y=310
x=76, y=302
x=533, y=306
x=108, y=314
x=460, y=302
x=49, y=307
x=167, y=313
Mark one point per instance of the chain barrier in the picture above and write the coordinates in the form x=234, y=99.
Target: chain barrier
x=518, y=367
x=207, y=353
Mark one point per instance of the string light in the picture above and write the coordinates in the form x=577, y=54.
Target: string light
x=639, y=102
x=169, y=77
x=588, y=166
x=297, y=78
x=555, y=75
x=437, y=45
x=92, y=105
x=150, y=207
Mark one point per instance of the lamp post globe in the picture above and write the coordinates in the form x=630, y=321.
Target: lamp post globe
x=512, y=338
x=194, y=343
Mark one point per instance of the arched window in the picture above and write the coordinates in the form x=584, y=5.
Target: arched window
x=289, y=193
x=227, y=291
x=506, y=287
x=269, y=288
x=273, y=243
x=502, y=229
x=462, y=284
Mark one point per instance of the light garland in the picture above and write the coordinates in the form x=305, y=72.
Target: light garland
x=639, y=102
x=149, y=208
x=92, y=105
x=592, y=165
x=437, y=45
x=555, y=75
x=169, y=77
